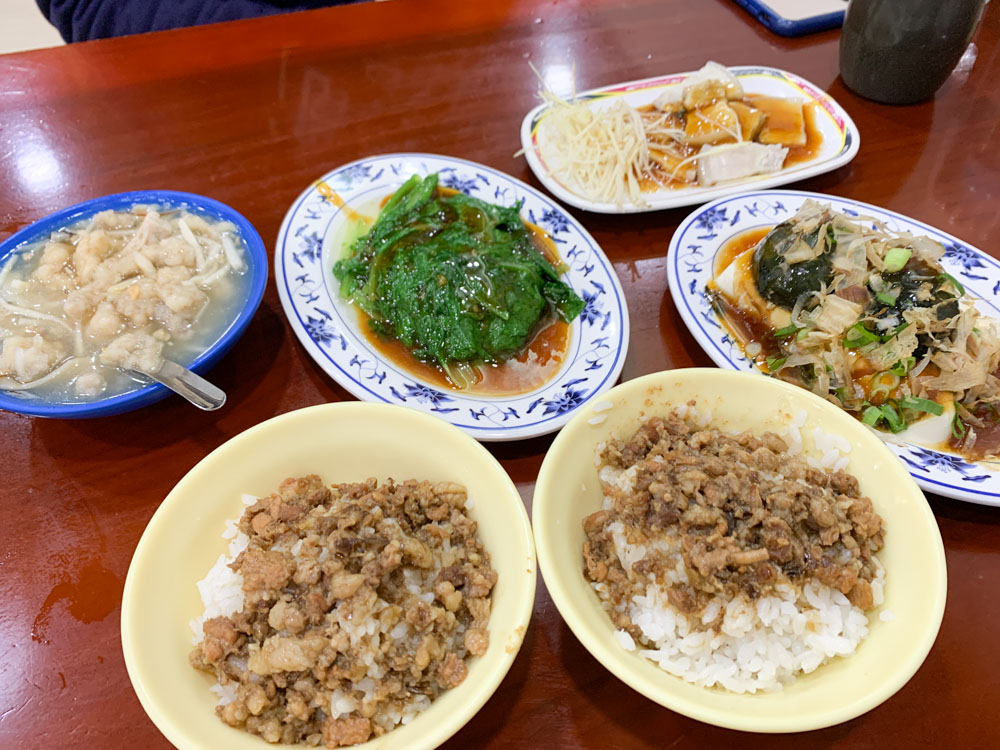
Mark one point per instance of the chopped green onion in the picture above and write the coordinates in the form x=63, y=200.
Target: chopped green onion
x=886, y=299
x=775, y=363
x=871, y=416
x=786, y=331
x=903, y=366
x=957, y=427
x=951, y=280
x=858, y=335
x=803, y=332
x=921, y=404
x=896, y=258
x=896, y=422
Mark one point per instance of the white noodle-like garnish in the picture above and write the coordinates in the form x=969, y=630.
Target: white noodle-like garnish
x=25, y=312
x=199, y=253
x=232, y=254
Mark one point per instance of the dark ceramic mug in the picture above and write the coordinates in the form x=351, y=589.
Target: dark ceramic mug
x=901, y=51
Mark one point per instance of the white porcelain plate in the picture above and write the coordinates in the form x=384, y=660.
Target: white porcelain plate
x=311, y=240
x=840, y=138
x=690, y=263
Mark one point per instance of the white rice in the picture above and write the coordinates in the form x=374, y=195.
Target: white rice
x=760, y=645
x=222, y=589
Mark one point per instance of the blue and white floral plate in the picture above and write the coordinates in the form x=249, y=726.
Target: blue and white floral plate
x=690, y=264
x=311, y=240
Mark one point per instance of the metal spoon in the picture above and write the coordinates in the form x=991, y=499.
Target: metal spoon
x=191, y=386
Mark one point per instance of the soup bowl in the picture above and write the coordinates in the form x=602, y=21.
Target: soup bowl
x=147, y=393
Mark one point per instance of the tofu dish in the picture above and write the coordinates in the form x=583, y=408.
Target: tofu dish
x=706, y=132
x=116, y=293
x=343, y=611
x=869, y=319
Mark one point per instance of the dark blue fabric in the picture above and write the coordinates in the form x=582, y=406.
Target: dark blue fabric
x=81, y=20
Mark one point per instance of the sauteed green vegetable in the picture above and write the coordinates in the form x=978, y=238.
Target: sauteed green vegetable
x=455, y=279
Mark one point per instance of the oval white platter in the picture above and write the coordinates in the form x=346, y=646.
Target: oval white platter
x=841, y=138
x=690, y=263
x=311, y=239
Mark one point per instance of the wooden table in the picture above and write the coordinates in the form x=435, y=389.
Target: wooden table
x=250, y=113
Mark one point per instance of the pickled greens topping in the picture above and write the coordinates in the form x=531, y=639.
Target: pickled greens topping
x=457, y=280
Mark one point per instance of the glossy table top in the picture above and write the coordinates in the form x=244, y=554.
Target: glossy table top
x=250, y=113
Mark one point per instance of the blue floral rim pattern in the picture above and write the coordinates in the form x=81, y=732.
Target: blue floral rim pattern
x=327, y=326
x=691, y=260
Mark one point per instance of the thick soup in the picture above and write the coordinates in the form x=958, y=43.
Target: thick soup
x=114, y=293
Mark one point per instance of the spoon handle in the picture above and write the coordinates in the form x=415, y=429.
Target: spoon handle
x=191, y=386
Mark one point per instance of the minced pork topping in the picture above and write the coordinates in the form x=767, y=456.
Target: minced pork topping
x=745, y=514
x=362, y=604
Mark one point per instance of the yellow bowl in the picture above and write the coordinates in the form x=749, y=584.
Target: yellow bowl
x=341, y=442
x=916, y=578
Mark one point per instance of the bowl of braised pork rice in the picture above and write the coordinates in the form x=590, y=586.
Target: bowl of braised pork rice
x=348, y=574
x=739, y=550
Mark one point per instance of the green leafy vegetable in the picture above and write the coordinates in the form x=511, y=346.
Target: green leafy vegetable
x=775, y=362
x=896, y=258
x=871, y=416
x=858, y=336
x=786, y=331
x=951, y=280
x=454, y=278
x=892, y=417
x=921, y=404
x=903, y=366
x=957, y=427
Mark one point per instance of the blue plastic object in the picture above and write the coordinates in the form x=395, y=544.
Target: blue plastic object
x=257, y=264
x=777, y=23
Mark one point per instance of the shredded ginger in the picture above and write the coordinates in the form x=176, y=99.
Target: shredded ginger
x=602, y=153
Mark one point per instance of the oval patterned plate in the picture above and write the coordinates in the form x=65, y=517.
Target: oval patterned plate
x=841, y=138
x=690, y=263
x=310, y=241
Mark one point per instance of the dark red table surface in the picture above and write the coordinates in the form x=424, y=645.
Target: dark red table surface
x=250, y=113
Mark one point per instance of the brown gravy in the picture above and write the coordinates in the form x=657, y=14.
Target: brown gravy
x=745, y=325
x=814, y=140
x=737, y=246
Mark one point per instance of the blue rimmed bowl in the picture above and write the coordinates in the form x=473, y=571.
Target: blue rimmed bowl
x=143, y=395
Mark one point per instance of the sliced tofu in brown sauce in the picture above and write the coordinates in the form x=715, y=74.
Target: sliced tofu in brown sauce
x=716, y=123
x=670, y=169
x=705, y=93
x=785, y=124
x=751, y=120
